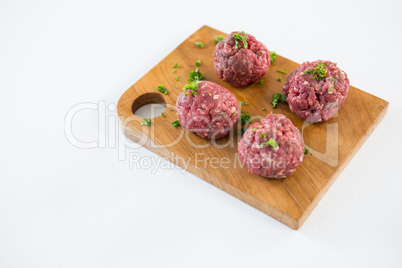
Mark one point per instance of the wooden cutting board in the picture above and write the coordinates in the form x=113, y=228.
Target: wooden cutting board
x=290, y=200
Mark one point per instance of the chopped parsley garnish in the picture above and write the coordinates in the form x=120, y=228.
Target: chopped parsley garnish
x=242, y=131
x=175, y=65
x=260, y=82
x=163, y=114
x=281, y=71
x=306, y=150
x=331, y=88
x=146, y=122
x=162, y=89
x=209, y=93
x=199, y=44
x=333, y=78
x=243, y=103
x=238, y=37
x=176, y=123
x=197, y=63
x=273, y=56
x=271, y=142
x=263, y=135
x=263, y=109
x=245, y=117
x=319, y=72
x=171, y=110
x=176, y=78
x=195, y=75
x=193, y=86
x=173, y=70
x=186, y=94
x=218, y=39
x=276, y=98
x=280, y=79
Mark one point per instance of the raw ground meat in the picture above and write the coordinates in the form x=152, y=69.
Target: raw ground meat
x=268, y=161
x=312, y=100
x=242, y=66
x=212, y=113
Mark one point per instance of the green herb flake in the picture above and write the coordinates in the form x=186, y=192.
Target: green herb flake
x=306, y=150
x=176, y=123
x=245, y=117
x=333, y=79
x=146, y=122
x=243, y=39
x=271, y=142
x=263, y=135
x=197, y=63
x=173, y=70
x=176, y=78
x=195, y=75
x=199, y=44
x=281, y=71
x=175, y=65
x=254, y=129
x=193, y=86
x=263, y=109
x=276, y=98
x=331, y=88
x=260, y=82
x=243, y=103
x=280, y=79
x=309, y=72
x=162, y=89
x=171, y=110
x=218, y=39
x=319, y=72
x=242, y=131
x=273, y=56
x=163, y=114
x=209, y=93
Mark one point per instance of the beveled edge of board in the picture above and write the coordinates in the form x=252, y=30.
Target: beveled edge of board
x=353, y=152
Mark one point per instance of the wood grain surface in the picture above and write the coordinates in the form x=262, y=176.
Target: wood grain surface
x=291, y=200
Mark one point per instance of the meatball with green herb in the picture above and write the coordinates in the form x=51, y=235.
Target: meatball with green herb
x=240, y=59
x=272, y=148
x=316, y=90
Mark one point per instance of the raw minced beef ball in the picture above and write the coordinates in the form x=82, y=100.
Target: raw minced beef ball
x=240, y=66
x=211, y=111
x=316, y=90
x=272, y=148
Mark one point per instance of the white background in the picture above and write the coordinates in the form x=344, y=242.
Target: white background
x=62, y=206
